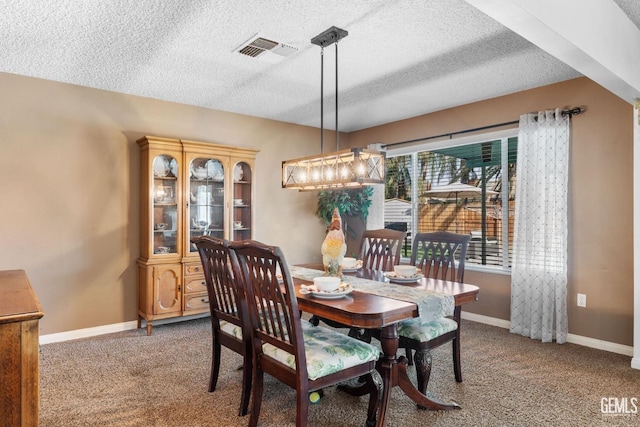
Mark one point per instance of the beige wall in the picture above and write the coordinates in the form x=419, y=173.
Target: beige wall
x=70, y=193
x=70, y=208
x=601, y=202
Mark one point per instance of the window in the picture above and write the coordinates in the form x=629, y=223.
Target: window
x=462, y=187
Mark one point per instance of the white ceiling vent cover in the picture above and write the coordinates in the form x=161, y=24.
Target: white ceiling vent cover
x=264, y=49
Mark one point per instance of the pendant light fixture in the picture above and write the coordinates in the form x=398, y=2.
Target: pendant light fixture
x=348, y=168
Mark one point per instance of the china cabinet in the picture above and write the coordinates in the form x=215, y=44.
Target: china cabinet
x=188, y=189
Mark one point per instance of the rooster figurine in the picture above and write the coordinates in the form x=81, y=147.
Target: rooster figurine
x=334, y=246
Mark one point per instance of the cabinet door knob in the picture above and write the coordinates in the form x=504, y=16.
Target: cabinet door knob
x=205, y=300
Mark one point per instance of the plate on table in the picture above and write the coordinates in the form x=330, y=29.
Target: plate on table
x=353, y=269
x=311, y=290
x=394, y=278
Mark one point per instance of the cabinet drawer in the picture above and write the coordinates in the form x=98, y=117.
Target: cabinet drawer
x=195, y=284
x=193, y=268
x=196, y=302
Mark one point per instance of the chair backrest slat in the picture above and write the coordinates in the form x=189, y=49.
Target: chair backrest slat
x=272, y=304
x=435, y=254
x=381, y=249
x=222, y=288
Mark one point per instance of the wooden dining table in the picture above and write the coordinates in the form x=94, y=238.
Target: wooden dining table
x=369, y=311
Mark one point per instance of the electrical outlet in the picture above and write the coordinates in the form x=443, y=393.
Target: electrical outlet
x=582, y=300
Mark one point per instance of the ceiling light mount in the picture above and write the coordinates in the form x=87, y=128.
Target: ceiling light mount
x=330, y=36
x=349, y=168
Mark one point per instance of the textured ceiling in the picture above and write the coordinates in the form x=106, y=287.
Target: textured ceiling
x=401, y=58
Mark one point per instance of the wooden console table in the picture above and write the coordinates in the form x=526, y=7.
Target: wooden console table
x=20, y=312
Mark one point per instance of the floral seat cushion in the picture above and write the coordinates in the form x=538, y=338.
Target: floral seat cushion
x=420, y=330
x=231, y=329
x=326, y=351
x=236, y=331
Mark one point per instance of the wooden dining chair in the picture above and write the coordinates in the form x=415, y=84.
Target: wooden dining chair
x=381, y=249
x=440, y=255
x=228, y=314
x=305, y=358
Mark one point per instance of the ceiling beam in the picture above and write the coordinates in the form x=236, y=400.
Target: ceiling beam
x=595, y=37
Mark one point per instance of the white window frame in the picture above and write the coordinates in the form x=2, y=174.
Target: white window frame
x=502, y=135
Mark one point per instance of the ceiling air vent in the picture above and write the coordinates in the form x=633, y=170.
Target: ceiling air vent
x=265, y=49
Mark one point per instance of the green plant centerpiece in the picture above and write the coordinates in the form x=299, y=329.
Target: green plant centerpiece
x=349, y=203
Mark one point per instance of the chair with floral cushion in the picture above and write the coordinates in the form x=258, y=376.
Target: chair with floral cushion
x=227, y=313
x=304, y=358
x=440, y=255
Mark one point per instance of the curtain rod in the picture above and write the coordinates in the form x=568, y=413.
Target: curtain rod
x=569, y=112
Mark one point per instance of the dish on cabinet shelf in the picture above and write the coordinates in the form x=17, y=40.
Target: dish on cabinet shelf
x=161, y=167
x=199, y=225
x=238, y=173
x=199, y=172
x=173, y=167
x=214, y=170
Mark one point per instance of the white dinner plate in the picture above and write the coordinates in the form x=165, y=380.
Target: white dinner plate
x=160, y=166
x=395, y=279
x=327, y=295
x=214, y=169
x=237, y=173
x=173, y=167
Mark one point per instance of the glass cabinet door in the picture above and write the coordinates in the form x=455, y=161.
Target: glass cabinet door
x=206, y=200
x=165, y=207
x=242, y=219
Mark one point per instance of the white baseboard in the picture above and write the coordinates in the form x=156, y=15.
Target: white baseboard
x=493, y=321
x=108, y=329
x=88, y=332
x=501, y=323
x=571, y=338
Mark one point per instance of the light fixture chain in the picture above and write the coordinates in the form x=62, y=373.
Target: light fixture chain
x=337, y=133
x=322, y=99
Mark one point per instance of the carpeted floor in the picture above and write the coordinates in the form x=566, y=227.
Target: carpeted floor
x=131, y=379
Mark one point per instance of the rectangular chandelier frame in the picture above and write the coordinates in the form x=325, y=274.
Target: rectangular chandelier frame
x=349, y=168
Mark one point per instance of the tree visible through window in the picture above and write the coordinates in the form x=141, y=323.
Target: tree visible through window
x=465, y=189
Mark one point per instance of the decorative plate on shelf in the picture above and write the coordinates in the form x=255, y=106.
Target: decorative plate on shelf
x=160, y=166
x=238, y=173
x=214, y=170
x=173, y=167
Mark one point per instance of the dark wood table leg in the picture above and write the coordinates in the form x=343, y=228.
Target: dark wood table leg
x=387, y=368
x=412, y=392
